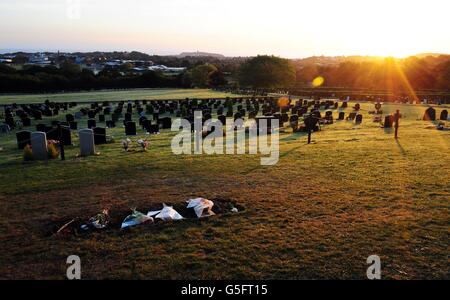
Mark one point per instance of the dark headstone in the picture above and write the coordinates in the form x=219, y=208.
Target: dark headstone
x=101, y=118
x=66, y=136
x=91, y=114
x=444, y=115
x=166, y=123
x=26, y=122
x=359, y=119
x=70, y=118
x=110, y=124
x=341, y=115
x=73, y=125
x=430, y=114
x=389, y=121
x=130, y=128
x=91, y=123
x=23, y=138
x=99, y=136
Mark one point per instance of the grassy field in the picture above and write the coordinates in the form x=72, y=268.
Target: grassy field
x=318, y=214
x=113, y=95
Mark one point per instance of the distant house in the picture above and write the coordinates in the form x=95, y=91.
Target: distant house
x=39, y=59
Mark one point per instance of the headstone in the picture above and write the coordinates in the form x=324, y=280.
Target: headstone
x=73, y=125
x=99, y=136
x=23, y=139
x=130, y=128
x=154, y=129
x=39, y=145
x=444, y=115
x=66, y=136
x=146, y=124
x=91, y=124
x=351, y=116
x=359, y=119
x=110, y=124
x=91, y=114
x=78, y=115
x=87, y=145
x=37, y=115
x=127, y=117
x=166, y=123
x=26, y=122
x=101, y=118
x=341, y=115
x=389, y=121
x=430, y=114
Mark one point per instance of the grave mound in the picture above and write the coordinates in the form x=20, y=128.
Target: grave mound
x=71, y=225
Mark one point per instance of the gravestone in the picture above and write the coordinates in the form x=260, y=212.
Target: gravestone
x=130, y=128
x=99, y=136
x=91, y=114
x=87, y=145
x=101, y=118
x=389, y=121
x=222, y=119
x=351, y=116
x=110, y=124
x=37, y=115
x=359, y=119
x=26, y=122
x=41, y=127
x=444, y=115
x=430, y=114
x=146, y=124
x=127, y=117
x=166, y=123
x=39, y=145
x=91, y=123
x=78, y=115
x=23, y=139
x=73, y=125
x=66, y=136
x=154, y=129
x=341, y=115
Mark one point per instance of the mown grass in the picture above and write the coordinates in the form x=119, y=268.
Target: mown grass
x=319, y=213
x=113, y=95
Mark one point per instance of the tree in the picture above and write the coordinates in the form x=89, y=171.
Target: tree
x=217, y=79
x=201, y=75
x=267, y=72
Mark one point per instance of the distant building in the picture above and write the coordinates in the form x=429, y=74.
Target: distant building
x=39, y=59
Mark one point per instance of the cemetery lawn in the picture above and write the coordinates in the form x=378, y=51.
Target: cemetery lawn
x=318, y=214
x=113, y=95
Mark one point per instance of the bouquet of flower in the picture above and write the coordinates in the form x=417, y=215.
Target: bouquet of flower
x=126, y=144
x=144, y=144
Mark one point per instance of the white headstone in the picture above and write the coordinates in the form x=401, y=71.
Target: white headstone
x=87, y=146
x=39, y=145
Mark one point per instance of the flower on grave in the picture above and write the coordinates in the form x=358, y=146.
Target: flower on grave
x=52, y=142
x=144, y=144
x=126, y=144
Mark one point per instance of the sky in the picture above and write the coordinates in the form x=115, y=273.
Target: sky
x=287, y=28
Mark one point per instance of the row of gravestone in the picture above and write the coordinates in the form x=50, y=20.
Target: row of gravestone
x=430, y=115
x=39, y=143
x=64, y=137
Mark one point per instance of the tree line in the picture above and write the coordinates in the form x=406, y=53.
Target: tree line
x=261, y=72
